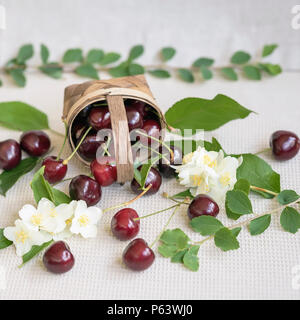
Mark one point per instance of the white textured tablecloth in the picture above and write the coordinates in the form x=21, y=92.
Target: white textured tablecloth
x=261, y=268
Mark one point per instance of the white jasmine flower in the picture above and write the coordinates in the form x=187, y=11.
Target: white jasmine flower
x=85, y=220
x=24, y=238
x=208, y=173
x=46, y=216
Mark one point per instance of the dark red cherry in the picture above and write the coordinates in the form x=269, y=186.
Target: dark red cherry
x=99, y=118
x=285, y=144
x=202, y=205
x=104, y=173
x=123, y=225
x=89, y=146
x=164, y=167
x=35, y=143
x=153, y=178
x=138, y=256
x=58, y=258
x=55, y=170
x=134, y=117
x=85, y=188
x=10, y=154
x=77, y=130
x=151, y=128
x=140, y=106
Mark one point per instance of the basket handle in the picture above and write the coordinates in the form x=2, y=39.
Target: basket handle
x=119, y=124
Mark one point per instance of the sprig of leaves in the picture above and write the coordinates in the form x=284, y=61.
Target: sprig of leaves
x=96, y=60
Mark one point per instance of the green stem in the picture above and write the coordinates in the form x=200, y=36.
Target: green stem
x=65, y=140
x=264, y=190
x=165, y=227
x=156, y=212
x=263, y=151
x=77, y=147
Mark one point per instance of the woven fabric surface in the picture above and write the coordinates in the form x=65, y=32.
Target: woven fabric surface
x=260, y=269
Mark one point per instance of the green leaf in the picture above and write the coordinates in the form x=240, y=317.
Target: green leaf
x=259, y=174
x=35, y=250
x=238, y=202
x=88, y=71
x=20, y=116
x=121, y=70
x=191, y=261
x=268, y=49
x=167, y=53
x=242, y=185
x=167, y=251
x=186, y=75
x=197, y=113
x=287, y=196
x=252, y=72
x=203, y=62
x=135, y=52
x=236, y=231
x=10, y=177
x=290, y=220
x=240, y=57
x=226, y=240
x=25, y=53
x=214, y=145
x=42, y=189
x=53, y=70
x=146, y=168
x=206, y=225
x=206, y=73
x=94, y=56
x=175, y=237
x=160, y=73
x=110, y=57
x=229, y=73
x=271, y=69
x=4, y=243
x=178, y=256
x=18, y=77
x=259, y=225
x=183, y=195
x=230, y=214
x=44, y=54
x=135, y=69
x=73, y=55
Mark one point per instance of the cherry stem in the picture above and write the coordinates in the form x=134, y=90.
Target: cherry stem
x=264, y=190
x=241, y=224
x=159, y=141
x=186, y=201
x=263, y=151
x=106, y=145
x=157, y=152
x=127, y=203
x=65, y=140
x=166, y=225
x=156, y=212
x=65, y=162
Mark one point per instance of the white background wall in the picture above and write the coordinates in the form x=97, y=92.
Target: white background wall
x=195, y=27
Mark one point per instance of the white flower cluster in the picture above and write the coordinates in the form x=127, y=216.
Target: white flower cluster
x=208, y=173
x=46, y=222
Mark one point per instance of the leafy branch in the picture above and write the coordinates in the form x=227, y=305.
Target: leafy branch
x=96, y=61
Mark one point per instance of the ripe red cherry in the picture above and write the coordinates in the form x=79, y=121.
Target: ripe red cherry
x=140, y=106
x=138, y=256
x=77, y=130
x=285, y=144
x=165, y=168
x=202, y=205
x=99, y=118
x=104, y=173
x=55, y=170
x=89, y=146
x=134, y=117
x=58, y=258
x=123, y=225
x=153, y=178
x=35, y=143
x=10, y=154
x=151, y=128
x=85, y=188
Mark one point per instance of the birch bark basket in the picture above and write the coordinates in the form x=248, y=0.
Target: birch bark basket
x=114, y=91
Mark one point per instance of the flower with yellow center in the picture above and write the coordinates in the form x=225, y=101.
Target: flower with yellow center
x=85, y=220
x=24, y=238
